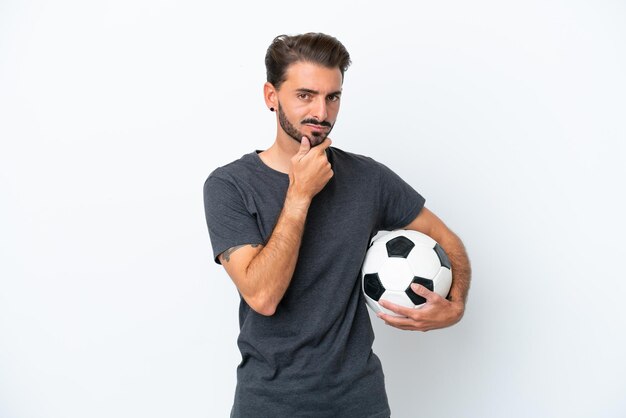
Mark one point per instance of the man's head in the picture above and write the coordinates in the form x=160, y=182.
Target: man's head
x=316, y=48
x=304, y=79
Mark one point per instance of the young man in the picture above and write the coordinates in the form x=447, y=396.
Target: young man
x=291, y=226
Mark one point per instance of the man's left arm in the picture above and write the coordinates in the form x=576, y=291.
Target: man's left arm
x=437, y=312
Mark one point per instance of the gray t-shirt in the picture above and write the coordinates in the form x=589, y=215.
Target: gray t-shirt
x=313, y=357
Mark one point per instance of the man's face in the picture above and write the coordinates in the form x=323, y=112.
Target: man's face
x=308, y=101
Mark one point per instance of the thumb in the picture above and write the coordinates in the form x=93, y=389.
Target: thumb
x=305, y=145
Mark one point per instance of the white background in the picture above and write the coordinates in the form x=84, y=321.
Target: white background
x=509, y=117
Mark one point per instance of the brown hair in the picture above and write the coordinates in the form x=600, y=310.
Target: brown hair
x=312, y=47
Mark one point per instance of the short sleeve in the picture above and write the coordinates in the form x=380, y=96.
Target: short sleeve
x=230, y=223
x=399, y=203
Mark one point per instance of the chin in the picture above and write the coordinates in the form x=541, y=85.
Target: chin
x=316, y=140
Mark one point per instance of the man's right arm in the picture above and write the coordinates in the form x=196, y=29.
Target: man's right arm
x=262, y=273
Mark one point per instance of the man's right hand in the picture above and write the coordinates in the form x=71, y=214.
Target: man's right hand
x=310, y=170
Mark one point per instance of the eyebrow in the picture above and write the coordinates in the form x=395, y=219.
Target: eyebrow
x=303, y=90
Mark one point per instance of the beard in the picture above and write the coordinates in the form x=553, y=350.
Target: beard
x=315, y=138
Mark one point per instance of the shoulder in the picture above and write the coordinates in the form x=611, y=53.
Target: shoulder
x=366, y=168
x=224, y=180
x=240, y=174
x=233, y=170
x=353, y=160
x=357, y=165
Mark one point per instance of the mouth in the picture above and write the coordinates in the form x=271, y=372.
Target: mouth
x=318, y=128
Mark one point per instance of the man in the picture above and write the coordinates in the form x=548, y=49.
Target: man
x=291, y=226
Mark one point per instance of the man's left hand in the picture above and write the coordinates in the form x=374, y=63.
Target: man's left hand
x=436, y=313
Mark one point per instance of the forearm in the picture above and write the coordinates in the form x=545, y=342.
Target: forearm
x=461, y=268
x=429, y=224
x=263, y=276
x=269, y=273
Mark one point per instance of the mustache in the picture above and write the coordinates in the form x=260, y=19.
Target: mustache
x=316, y=122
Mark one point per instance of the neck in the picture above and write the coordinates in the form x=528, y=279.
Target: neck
x=278, y=156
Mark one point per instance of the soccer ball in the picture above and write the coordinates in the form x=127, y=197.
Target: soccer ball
x=395, y=260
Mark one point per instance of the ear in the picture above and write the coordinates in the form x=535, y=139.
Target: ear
x=270, y=94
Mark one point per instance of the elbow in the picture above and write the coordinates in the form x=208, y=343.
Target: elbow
x=265, y=310
x=269, y=311
x=262, y=306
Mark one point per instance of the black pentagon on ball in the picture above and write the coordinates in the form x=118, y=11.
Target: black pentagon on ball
x=372, y=286
x=443, y=257
x=399, y=247
x=415, y=298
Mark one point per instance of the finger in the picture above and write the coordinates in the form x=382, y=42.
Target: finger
x=398, y=309
x=422, y=291
x=305, y=145
x=399, y=322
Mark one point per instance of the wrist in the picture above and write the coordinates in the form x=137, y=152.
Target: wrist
x=296, y=202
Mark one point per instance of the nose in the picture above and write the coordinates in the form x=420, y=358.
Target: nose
x=319, y=110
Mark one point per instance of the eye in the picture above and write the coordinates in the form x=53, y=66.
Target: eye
x=304, y=96
x=333, y=98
